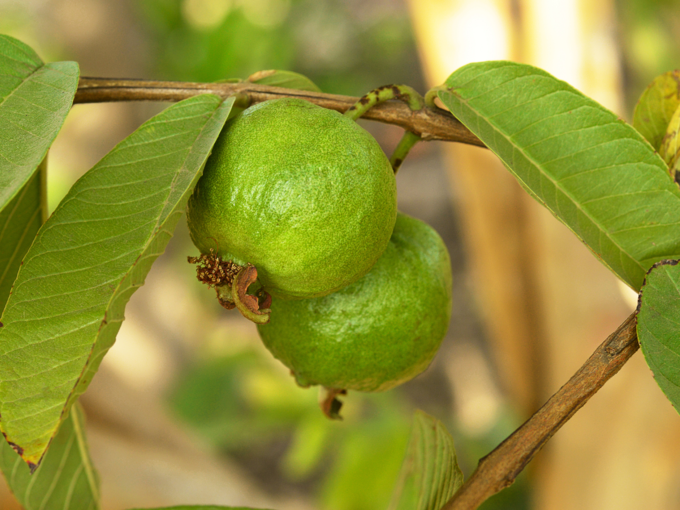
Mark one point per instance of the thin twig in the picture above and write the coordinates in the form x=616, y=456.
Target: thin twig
x=499, y=469
x=429, y=123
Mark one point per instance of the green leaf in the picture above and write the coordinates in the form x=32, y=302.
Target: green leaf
x=19, y=223
x=286, y=79
x=593, y=171
x=88, y=258
x=34, y=101
x=658, y=323
x=65, y=480
x=430, y=474
x=656, y=106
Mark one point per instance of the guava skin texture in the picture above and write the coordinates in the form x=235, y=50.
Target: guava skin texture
x=378, y=332
x=301, y=192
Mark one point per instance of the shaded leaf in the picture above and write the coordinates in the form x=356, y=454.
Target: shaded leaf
x=430, y=474
x=593, y=171
x=19, y=223
x=658, y=326
x=656, y=106
x=34, y=101
x=88, y=258
x=286, y=79
x=65, y=480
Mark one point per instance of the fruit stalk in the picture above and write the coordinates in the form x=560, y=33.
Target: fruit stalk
x=405, y=144
x=402, y=92
x=498, y=470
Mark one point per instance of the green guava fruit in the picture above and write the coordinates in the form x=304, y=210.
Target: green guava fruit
x=300, y=192
x=378, y=332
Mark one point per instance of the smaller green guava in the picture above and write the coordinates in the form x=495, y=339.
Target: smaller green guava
x=300, y=193
x=378, y=332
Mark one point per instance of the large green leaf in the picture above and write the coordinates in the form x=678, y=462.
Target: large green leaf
x=19, y=223
x=656, y=106
x=430, y=474
x=88, y=258
x=658, y=326
x=590, y=169
x=34, y=101
x=65, y=479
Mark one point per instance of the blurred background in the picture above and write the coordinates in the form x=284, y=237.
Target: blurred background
x=189, y=407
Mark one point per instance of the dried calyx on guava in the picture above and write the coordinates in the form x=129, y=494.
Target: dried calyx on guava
x=380, y=331
x=296, y=199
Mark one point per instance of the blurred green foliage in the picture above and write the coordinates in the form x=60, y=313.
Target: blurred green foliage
x=252, y=410
x=648, y=31
x=345, y=47
x=256, y=413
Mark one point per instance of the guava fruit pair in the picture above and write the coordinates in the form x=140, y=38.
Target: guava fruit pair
x=300, y=202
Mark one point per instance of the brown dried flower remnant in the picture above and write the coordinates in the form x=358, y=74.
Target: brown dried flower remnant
x=213, y=271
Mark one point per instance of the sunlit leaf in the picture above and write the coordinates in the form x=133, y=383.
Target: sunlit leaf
x=656, y=106
x=590, y=169
x=287, y=79
x=34, y=101
x=309, y=443
x=658, y=326
x=430, y=474
x=65, y=479
x=87, y=260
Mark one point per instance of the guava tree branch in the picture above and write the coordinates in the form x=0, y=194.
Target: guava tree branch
x=499, y=469
x=428, y=123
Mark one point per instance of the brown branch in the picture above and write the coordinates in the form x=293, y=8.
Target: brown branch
x=430, y=124
x=499, y=469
